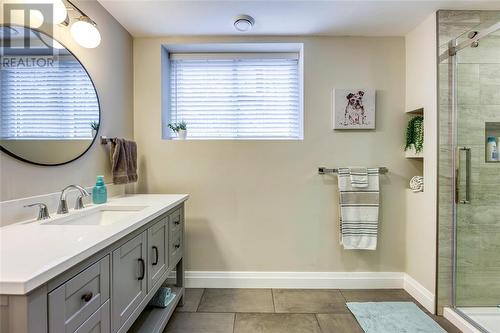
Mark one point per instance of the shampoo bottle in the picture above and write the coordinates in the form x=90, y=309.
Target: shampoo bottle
x=99, y=192
x=491, y=149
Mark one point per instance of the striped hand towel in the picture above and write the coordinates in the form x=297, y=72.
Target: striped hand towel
x=358, y=211
x=359, y=177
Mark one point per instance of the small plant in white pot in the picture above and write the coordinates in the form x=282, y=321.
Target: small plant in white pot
x=95, y=127
x=180, y=129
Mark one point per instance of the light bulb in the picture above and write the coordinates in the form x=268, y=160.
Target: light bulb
x=59, y=11
x=85, y=33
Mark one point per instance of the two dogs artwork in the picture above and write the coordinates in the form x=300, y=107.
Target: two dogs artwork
x=354, y=109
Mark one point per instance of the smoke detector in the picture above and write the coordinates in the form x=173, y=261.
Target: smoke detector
x=243, y=23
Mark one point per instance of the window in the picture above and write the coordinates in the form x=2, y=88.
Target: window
x=66, y=102
x=236, y=95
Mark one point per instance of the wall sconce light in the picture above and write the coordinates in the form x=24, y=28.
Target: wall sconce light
x=59, y=10
x=83, y=30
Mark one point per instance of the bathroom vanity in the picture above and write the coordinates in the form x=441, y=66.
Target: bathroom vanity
x=93, y=270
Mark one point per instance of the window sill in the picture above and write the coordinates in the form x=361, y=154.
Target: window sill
x=234, y=139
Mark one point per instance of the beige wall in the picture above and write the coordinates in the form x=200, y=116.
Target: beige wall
x=421, y=91
x=110, y=66
x=260, y=205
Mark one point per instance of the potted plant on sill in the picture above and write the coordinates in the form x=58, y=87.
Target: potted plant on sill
x=180, y=129
x=95, y=128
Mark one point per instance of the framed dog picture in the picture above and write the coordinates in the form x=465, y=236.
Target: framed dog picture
x=353, y=108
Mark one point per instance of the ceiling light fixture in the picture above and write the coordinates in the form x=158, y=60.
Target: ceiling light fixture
x=243, y=23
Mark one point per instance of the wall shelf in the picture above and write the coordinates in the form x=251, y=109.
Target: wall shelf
x=416, y=112
x=414, y=156
x=411, y=153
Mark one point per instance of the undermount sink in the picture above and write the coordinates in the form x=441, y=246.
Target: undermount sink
x=98, y=215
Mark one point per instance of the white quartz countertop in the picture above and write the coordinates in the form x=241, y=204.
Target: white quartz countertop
x=33, y=253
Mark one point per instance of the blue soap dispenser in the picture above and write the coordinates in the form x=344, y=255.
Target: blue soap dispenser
x=99, y=192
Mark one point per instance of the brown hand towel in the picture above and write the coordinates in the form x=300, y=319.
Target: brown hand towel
x=123, y=161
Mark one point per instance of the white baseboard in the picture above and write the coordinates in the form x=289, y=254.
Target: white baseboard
x=295, y=280
x=419, y=292
x=462, y=324
x=311, y=280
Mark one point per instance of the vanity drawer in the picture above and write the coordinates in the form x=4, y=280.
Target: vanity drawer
x=176, y=245
x=98, y=322
x=71, y=304
x=176, y=222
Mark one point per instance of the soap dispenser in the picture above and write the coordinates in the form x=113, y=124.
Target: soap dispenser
x=99, y=192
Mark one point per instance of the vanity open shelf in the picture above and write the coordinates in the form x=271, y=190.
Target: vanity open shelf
x=153, y=319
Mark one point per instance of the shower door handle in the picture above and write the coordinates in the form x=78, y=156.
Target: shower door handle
x=468, y=155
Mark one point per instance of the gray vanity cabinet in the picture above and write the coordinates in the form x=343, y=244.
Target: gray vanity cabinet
x=98, y=322
x=71, y=304
x=129, y=279
x=176, y=237
x=109, y=291
x=158, y=251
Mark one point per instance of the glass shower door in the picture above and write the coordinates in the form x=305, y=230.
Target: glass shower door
x=477, y=188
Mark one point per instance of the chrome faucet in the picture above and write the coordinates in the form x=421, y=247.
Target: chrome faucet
x=63, y=205
x=43, y=211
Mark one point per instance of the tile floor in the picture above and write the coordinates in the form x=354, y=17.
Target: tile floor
x=277, y=310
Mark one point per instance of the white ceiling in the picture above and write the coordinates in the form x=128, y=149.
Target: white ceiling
x=279, y=17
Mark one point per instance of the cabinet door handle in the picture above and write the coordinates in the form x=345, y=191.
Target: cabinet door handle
x=177, y=222
x=155, y=262
x=143, y=269
x=87, y=297
x=177, y=246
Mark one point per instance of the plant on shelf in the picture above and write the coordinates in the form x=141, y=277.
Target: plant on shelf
x=180, y=129
x=415, y=134
x=95, y=127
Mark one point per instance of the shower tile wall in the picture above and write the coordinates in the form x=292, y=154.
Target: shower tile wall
x=478, y=237
x=478, y=96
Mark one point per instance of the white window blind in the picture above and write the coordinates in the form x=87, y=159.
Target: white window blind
x=236, y=96
x=47, y=103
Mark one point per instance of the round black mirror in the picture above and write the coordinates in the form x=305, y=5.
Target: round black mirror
x=49, y=109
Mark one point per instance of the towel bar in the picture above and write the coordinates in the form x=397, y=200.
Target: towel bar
x=323, y=170
x=106, y=140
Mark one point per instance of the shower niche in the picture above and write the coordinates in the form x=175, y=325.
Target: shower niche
x=491, y=130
